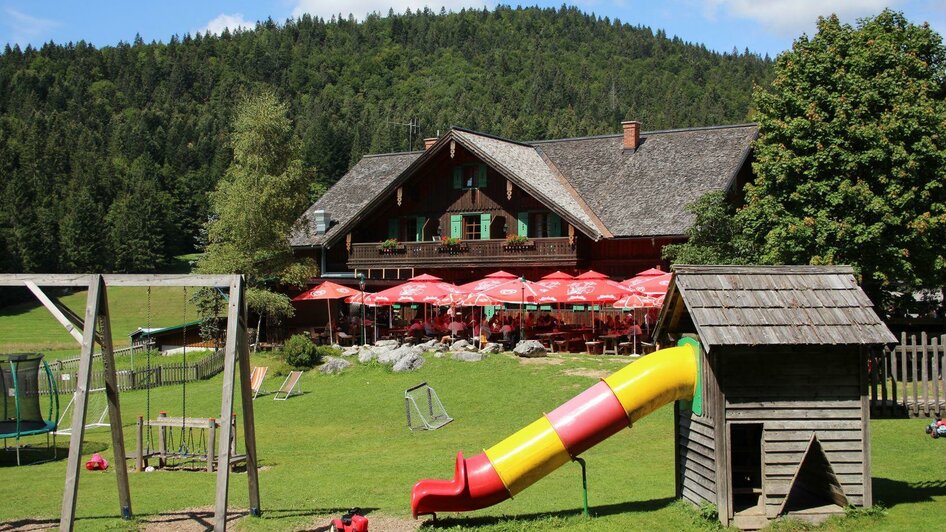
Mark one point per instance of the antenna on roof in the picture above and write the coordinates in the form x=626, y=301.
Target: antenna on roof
x=413, y=126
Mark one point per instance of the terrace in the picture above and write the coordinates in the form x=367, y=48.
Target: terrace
x=556, y=252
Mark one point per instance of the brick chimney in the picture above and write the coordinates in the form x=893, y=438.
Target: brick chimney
x=632, y=134
x=428, y=142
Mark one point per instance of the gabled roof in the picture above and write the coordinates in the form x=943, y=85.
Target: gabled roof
x=773, y=305
x=646, y=193
x=591, y=182
x=350, y=195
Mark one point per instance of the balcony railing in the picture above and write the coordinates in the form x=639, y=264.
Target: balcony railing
x=537, y=251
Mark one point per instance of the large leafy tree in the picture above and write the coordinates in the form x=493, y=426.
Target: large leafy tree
x=256, y=203
x=851, y=157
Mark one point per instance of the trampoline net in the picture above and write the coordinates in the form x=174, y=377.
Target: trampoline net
x=27, y=368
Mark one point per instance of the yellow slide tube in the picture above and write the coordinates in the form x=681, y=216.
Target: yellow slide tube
x=641, y=387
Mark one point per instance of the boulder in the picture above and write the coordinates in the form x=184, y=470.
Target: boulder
x=492, y=348
x=392, y=357
x=438, y=348
x=530, y=349
x=334, y=366
x=467, y=356
x=386, y=343
x=410, y=362
x=460, y=345
x=350, y=351
x=429, y=344
x=367, y=356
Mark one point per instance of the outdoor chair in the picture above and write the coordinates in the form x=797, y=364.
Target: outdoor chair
x=256, y=379
x=288, y=387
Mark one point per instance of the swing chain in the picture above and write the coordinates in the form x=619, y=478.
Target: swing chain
x=184, y=447
x=147, y=336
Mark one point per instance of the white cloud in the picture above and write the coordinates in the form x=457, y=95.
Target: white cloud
x=360, y=8
x=231, y=22
x=791, y=17
x=26, y=29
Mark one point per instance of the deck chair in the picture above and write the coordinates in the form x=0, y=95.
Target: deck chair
x=288, y=386
x=256, y=380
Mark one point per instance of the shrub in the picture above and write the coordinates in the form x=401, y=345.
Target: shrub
x=390, y=244
x=301, y=353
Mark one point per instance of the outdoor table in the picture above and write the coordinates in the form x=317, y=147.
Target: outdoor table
x=546, y=339
x=610, y=343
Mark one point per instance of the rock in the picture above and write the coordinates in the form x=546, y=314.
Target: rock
x=530, y=349
x=350, y=351
x=410, y=362
x=492, y=348
x=467, y=356
x=460, y=345
x=334, y=366
x=386, y=343
x=393, y=356
x=439, y=354
x=367, y=356
x=429, y=344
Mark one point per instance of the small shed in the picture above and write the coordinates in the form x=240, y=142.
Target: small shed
x=784, y=428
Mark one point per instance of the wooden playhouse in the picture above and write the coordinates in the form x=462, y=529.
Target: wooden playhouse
x=784, y=428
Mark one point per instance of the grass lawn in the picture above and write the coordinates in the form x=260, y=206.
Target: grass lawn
x=30, y=326
x=344, y=443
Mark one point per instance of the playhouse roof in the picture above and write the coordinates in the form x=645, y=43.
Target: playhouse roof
x=772, y=305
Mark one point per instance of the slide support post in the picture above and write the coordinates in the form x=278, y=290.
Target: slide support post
x=584, y=487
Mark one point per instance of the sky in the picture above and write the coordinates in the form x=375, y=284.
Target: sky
x=762, y=26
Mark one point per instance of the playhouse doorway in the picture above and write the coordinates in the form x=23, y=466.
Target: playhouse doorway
x=746, y=468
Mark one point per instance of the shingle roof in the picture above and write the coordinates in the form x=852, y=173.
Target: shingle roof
x=535, y=175
x=352, y=193
x=646, y=193
x=774, y=305
x=592, y=182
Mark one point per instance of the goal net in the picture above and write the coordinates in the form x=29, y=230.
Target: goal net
x=95, y=414
x=424, y=409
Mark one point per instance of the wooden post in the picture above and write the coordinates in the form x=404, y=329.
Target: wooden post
x=925, y=374
x=865, y=430
x=249, y=420
x=80, y=405
x=915, y=376
x=55, y=311
x=114, y=405
x=162, y=441
x=934, y=379
x=139, y=445
x=904, y=390
x=211, y=440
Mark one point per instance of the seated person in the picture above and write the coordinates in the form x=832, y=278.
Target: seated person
x=430, y=328
x=457, y=327
x=508, y=331
x=416, y=329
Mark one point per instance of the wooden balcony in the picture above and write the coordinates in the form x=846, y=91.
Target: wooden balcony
x=555, y=252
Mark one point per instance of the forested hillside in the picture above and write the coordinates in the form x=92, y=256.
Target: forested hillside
x=107, y=154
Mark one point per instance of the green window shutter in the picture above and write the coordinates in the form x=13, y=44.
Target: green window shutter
x=523, y=218
x=394, y=228
x=456, y=226
x=484, y=226
x=420, y=228
x=458, y=177
x=555, y=224
x=481, y=179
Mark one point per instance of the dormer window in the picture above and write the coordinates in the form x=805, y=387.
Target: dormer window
x=469, y=176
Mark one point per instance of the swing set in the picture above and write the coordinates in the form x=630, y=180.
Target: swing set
x=95, y=328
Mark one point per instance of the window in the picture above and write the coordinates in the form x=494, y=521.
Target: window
x=469, y=176
x=407, y=228
x=539, y=224
x=471, y=227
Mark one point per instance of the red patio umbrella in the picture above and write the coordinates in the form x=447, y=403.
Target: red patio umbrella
x=328, y=291
x=589, y=287
x=420, y=289
x=652, y=286
x=651, y=272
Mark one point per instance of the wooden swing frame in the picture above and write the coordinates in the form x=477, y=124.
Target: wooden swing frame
x=96, y=328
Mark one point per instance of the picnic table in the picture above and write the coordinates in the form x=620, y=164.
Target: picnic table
x=610, y=343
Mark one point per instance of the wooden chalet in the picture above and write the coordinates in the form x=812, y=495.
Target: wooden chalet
x=608, y=203
x=785, y=422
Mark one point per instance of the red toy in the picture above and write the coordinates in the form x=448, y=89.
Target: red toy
x=353, y=521
x=96, y=463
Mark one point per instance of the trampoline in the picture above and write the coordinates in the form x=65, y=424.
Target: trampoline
x=22, y=414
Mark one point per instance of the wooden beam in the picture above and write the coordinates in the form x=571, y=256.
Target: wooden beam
x=55, y=311
x=231, y=352
x=246, y=397
x=114, y=406
x=80, y=404
x=213, y=281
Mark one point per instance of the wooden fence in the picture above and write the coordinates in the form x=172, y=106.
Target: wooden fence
x=138, y=379
x=910, y=379
x=72, y=364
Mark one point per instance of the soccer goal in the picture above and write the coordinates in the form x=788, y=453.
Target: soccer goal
x=424, y=409
x=96, y=415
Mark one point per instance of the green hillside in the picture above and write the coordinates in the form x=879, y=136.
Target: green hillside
x=108, y=153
